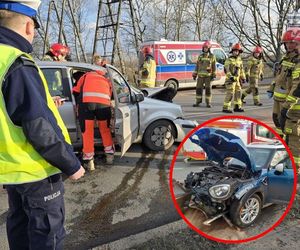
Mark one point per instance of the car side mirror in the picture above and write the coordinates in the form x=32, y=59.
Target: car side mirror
x=139, y=97
x=279, y=168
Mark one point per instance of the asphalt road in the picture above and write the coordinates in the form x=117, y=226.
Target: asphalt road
x=133, y=195
x=186, y=98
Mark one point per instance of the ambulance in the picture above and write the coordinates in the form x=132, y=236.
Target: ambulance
x=248, y=131
x=176, y=62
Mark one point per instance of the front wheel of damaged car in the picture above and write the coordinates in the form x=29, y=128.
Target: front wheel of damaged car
x=245, y=212
x=160, y=135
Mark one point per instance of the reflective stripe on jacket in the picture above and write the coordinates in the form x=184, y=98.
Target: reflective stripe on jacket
x=19, y=161
x=95, y=88
x=255, y=67
x=206, y=65
x=148, y=72
x=234, y=68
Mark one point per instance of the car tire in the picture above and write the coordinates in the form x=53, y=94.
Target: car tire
x=245, y=212
x=159, y=135
x=172, y=84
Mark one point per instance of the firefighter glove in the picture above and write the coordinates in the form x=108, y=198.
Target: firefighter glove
x=283, y=118
x=270, y=94
x=247, y=78
x=261, y=77
x=232, y=79
x=194, y=76
x=243, y=81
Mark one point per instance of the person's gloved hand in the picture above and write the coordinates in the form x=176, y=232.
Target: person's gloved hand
x=282, y=118
x=243, y=81
x=194, y=76
x=261, y=77
x=212, y=77
x=232, y=79
x=270, y=94
x=247, y=78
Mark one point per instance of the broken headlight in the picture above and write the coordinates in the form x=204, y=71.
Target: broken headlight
x=220, y=191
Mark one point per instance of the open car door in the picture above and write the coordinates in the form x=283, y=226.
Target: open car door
x=281, y=183
x=126, y=111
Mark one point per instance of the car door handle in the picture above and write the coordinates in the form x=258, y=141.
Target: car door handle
x=126, y=115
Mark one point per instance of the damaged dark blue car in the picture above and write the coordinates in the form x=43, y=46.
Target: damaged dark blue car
x=239, y=180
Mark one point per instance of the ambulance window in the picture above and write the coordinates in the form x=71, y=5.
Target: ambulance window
x=192, y=56
x=220, y=55
x=121, y=87
x=55, y=81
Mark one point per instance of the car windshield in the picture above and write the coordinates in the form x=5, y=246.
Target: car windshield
x=261, y=156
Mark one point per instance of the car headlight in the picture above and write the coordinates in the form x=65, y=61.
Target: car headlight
x=219, y=191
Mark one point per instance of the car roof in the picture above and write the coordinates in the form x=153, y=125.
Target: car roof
x=50, y=64
x=270, y=145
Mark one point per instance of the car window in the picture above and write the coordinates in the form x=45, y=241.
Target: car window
x=121, y=87
x=220, y=55
x=278, y=157
x=54, y=80
x=261, y=156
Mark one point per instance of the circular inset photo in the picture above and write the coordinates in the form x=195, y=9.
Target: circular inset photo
x=233, y=179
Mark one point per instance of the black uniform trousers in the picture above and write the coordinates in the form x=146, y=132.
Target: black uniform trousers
x=36, y=214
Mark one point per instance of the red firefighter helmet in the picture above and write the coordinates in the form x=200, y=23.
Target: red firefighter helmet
x=291, y=35
x=236, y=46
x=59, y=49
x=207, y=44
x=147, y=50
x=258, y=50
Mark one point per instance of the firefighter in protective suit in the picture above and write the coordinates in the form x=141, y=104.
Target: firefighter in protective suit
x=57, y=52
x=148, y=69
x=234, y=76
x=93, y=92
x=290, y=112
x=205, y=71
x=253, y=74
x=282, y=85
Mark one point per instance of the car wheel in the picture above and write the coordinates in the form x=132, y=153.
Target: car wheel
x=160, y=135
x=244, y=212
x=172, y=84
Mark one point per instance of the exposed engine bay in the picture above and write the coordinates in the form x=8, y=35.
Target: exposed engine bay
x=216, y=176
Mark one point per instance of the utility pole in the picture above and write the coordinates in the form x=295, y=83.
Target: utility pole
x=61, y=22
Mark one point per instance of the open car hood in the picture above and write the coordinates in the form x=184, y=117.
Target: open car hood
x=219, y=144
x=163, y=93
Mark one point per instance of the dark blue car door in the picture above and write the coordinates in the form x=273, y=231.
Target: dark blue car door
x=280, y=185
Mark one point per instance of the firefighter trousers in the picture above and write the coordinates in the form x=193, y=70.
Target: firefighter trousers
x=87, y=116
x=36, y=215
x=203, y=82
x=277, y=107
x=293, y=142
x=253, y=88
x=233, y=91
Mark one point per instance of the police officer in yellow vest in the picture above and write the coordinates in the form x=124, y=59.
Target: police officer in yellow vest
x=35, y=145
x=148, y=69
x=282, y=85
x=254, y=73
x=234, y=76
x=290, y=113
x=205, y=71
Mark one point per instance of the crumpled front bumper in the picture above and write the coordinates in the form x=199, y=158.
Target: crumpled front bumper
x=184, y=127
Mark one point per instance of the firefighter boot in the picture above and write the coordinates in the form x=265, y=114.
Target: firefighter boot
x=109, y=159
x=109, y=155
x=243, y=98
x=227, y=111
x=88, y=161
x=89, y=164
x=237, y=109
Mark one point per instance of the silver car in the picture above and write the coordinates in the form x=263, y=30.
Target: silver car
x=158, y=124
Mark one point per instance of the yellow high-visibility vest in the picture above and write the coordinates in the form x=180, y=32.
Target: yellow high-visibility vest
x=19, y=161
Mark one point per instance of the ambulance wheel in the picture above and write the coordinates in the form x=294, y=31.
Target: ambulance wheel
x=172, y=84
x=159, y=136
